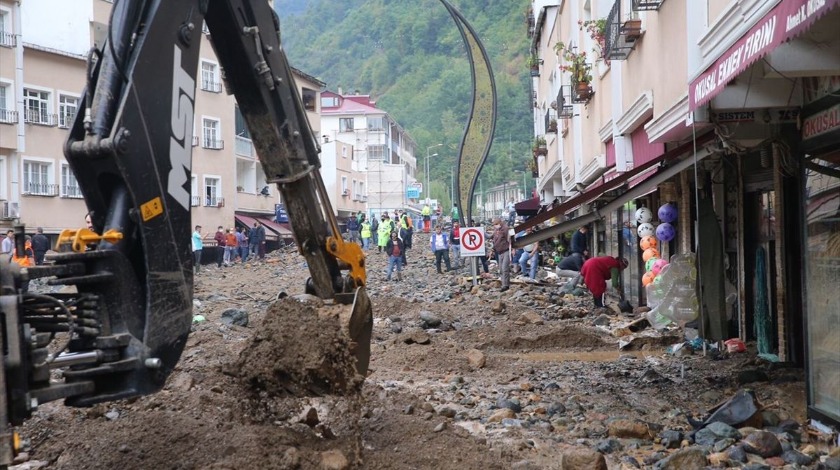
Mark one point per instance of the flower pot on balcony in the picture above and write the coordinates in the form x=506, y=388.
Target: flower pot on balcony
x=632, y=29
x=552, y=127
x=583, y=91
x=540, y=151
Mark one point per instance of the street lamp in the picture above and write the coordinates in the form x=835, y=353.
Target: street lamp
x=428, y=189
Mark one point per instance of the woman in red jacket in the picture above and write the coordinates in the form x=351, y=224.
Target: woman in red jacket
x=596, y=272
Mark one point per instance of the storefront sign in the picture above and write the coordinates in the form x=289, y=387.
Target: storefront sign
x=762, y=116
x=786, y=20
x=821, y=122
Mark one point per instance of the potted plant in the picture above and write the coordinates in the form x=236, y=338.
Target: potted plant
x=597, y=30
x=540, y=146
x=575, y=63
x=552, y=125
x=533, y=63
x=632, y=29
x=532, y=165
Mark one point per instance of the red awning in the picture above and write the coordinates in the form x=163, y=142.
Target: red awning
x=784, y=21
x=249, y=221
x=280, y=230
x=596, y=192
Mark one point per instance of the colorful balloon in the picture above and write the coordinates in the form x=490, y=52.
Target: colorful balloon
x=649, y=264
x=648, y=278
x=648, y=242
x=666, y=232
x=643, y=215
x=658, y=265
x=650, y=253
x=645, y=230
x=667, y=213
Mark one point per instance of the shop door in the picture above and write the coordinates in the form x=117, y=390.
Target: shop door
x=760, y=264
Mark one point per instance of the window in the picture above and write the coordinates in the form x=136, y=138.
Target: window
x=355, y=190
x=345, y=125
x=7, y=113
x=344, y=190
x=67, y=107
x=69, y=185
x=241, y=126
x=376, y=152
x=196, y=198
x=344, y=151
x=376, y=123
x=36, y=105
x=37, y=178
x=309, y=99
x=362, y=195
x=211, y=132
x=329, y=102
x=210, y=77
x=7, y=38
x=212, y=192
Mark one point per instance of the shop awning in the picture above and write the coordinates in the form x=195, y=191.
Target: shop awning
x=599, y=190
x=527, y=207
x=249, y=221
x=784, y=21
x=639, y=190
x=280, y=230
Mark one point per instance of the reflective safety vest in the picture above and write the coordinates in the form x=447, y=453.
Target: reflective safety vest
x=427, y=210
x=365, y=230
x=406, y=221
x=25, y=260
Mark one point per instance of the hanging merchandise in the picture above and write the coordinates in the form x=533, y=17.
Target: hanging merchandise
x=650, y=253
x=643, y=215
x=667, y=213
x=648, y=278
x=649, y=263
x=658, y=265
x=648, y=242
x=665, y=232
x=645, y=230
x=673, y=293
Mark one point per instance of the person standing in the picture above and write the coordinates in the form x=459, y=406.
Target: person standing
x=255, y=239
x=439, y=244
x=427, y=218
x=511, y=207
x=40, y=246
x=242, y=244
x=402, y=234
x=501, y=249
x=627, y=236
x=408, y=225
x=384, y=232
x=455, y=240
x=8, y=244
x=230, y=246
x=221, y=241
x=395, y=250
x=353, y=229
x=579, y=242
x=530, y=254
x=26, y=260
x=366, y=232
x=454, y=213
x=597, y=271
x=197, y=246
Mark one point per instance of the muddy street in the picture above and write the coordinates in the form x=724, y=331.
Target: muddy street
x=461, y=377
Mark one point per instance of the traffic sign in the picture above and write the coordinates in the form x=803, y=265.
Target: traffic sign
x=472, y=241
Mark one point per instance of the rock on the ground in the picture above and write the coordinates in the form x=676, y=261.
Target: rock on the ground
x=235, y=316
x=429, y=319
x=763, y=443
x=499, y=415
x=418, y=337
x=692, y=458
x=498, y=307
x=334, y=460
x=476, y=358
x=626, y=428
x=582, y=459
x=530, y=318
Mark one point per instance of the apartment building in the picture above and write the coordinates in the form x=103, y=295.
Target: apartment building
x=382, y=158
x=728, y=109
x=43, y=49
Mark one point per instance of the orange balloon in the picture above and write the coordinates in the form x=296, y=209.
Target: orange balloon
x=650, y=253
x=648, y=278
x=648, y=242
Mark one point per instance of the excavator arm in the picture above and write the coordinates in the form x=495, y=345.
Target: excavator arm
x=120, y=324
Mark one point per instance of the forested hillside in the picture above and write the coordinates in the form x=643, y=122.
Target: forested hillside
x=410, y=56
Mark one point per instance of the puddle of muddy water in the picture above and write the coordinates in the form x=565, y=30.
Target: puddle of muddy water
x=584, y=356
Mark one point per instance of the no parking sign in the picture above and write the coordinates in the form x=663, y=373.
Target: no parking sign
x=472, y=241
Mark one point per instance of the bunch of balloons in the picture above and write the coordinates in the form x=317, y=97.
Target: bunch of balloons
x=650, y=236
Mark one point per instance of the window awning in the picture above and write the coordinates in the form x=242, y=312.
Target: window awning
x=599, y=190
x=636, y=191
x=784, y=21
x=249, y=221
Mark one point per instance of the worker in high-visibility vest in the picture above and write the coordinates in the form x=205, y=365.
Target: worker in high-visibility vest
x=427, y=218
x=28, y=259
x=366, y=233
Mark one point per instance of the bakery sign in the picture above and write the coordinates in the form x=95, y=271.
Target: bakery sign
x=784, y=21
x=821, y=123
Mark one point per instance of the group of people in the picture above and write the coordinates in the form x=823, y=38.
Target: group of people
x=236, y=244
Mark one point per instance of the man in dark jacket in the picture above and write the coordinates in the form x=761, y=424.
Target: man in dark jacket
x=256, y=237
x=579, y=242
x=40, y=245
x=501, y=250
x=220, y=243
x=395, y=249
x=353, y=229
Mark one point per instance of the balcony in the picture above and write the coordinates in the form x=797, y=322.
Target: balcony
x=41, y=189
x=8, y=39
x=8, y=116
x=195, y=141
x=9, y=210
x=564, y=109
x=66, y=120
x=620, y=38
x=550, y=122
x=34, y=116
x=211, y=86
x=243, y=147
x=214, y=202
x=647, y=5
x=345, y=192
x=71, y=191
x=195, y=201
x=213, y=144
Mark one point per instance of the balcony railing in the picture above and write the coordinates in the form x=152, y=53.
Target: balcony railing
x=9, y=210
x=549, y=126
x=620, y=39
x=8, y=116
x=208, y=85
x=34, y=116
x=66, y=120
x=647, y=5
x=213, y=144
x=214, y=202
x=195, y=201
x=195, y=141
x=72, y=192
x=41, y=189
x=8, y=39
x=243, y=146
x=565, y=110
